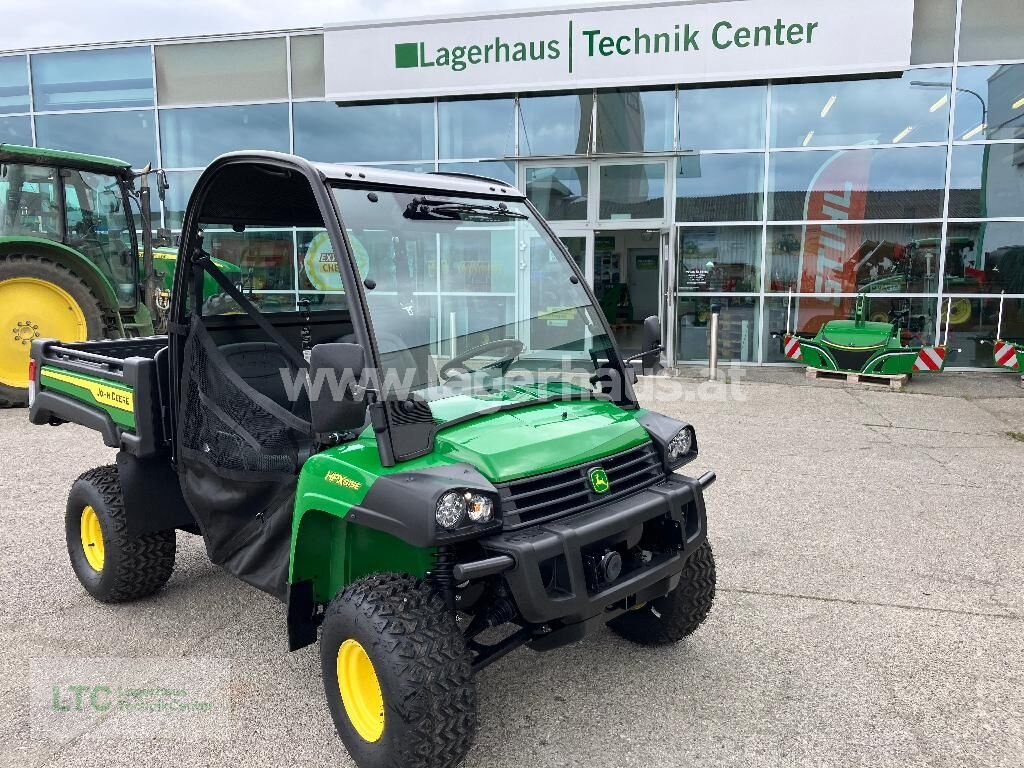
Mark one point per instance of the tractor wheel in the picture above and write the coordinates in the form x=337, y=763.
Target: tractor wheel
x=670, y=618
x=961, y=311
x=112, y=566
x=397, y=675
x=39, y=299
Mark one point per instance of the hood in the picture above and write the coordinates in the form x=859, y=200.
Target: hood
x=532, y=440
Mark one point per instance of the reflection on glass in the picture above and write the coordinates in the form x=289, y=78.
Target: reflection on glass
x=181, y=184
x=559, y=192
x=722, y=118
x=128, y=136
x=933, y=32
x=16, y=130
x=633, y=191
x=719, y=187
x=494, y=169
x=719, y=259
x=987, y=180
x=477, y=320
x=991, y=30
x=478, y=261
x=222, y=71
x=916, y=318
x=737, y=333
x=876, y=111
x=476, y=128
x=986, y=257
x=577, y=247
x=31, y=198
x=850, y=258
x=634, y=121
x=307, y=66
x=13, y=84
x=970, y=339
x=264, y=255
x=895, y=183
x=368, y=133
x=115, y=77
x=191, y=138
x=990, y=102
x=555, y=125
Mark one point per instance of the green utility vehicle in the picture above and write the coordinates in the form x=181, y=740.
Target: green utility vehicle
x=417, y=432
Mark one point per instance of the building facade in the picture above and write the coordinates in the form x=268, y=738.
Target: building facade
x=908, y=184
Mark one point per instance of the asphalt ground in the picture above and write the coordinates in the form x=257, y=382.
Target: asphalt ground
x=870, y=607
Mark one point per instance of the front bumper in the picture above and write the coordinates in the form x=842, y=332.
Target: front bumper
x=550, y=582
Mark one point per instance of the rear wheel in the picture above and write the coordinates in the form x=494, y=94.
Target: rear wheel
x=397, y=675
x=39, y=299
x=112, y=566
x=670, y=618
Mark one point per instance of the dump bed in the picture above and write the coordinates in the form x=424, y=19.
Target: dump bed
x=115, y=387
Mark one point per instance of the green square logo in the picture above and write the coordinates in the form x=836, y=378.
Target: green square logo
x=407, y=55
x=599, y=480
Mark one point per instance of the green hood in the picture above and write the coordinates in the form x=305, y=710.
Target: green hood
x=848, y=334
x=533, y=440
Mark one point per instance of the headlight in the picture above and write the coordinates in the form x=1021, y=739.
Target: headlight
x=481, y=508
x=680, y=445
x=451, y=509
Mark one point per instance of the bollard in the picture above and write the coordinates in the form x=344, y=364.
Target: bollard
x=716, y=309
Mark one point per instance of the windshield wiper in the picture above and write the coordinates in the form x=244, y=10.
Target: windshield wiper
x=424, y=209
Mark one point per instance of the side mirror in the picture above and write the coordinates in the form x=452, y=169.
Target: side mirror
x=340, y=403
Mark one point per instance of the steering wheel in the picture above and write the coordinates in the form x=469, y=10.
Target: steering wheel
x=458, y=363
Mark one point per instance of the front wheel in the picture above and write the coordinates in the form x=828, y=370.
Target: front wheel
x=397, y=675
x=669, y=619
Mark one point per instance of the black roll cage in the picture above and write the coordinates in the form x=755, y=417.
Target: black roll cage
x=362, y=325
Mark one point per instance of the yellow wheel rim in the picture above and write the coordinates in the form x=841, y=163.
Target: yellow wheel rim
x=961, y=311
x=360, y=691
x=92, y=539
x=879, y=317
x=30, y=309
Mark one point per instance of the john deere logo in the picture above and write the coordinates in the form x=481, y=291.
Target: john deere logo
x=599, y=480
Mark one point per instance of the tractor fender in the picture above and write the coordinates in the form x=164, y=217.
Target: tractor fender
x=73, y=261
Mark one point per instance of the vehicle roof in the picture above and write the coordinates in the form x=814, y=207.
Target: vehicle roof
x=446, y=182
x=19, y=153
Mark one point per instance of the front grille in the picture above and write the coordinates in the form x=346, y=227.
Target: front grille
x=556, y=494
x=851, y=359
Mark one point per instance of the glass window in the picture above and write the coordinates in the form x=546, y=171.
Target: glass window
x=990, y=102
x=737, y=328
x=719, y=259
x=191, y=138
x=991, y=30
x=911, y=108
x=13, y=84
x=722, y=118
x=98, y=226
x=808, y=313
x=577, y=247
x=987, y=180
x=337, y=133
x=497, y=169
x=720, y=187
x=222, y=71
x=634, y=121
x=264, y=255
x=30, y=202
x=180, y=186
x=559, y=192
x=970, y=340
x=987, y=257
x=128, y=135
x=555, y=125
x=895, y=183
x=16, y=130
x=848, y=258
x=116, y=77
x=308, y=66
x=633, y=191
x=476, y=128
x=933, y=32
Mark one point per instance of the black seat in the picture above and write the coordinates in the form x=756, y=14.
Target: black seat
x=260, y=364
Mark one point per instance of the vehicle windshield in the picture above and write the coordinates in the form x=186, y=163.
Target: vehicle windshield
x=469, y=295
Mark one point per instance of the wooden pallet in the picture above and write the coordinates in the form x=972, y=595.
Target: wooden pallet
x=894, y=383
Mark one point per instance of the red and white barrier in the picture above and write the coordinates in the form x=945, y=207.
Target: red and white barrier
x=792, y=348
x=930, y=359
x=1006, y=355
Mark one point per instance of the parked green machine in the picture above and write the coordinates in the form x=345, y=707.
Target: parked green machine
x=429, y=447
x=1007, y=354
x=863, y=346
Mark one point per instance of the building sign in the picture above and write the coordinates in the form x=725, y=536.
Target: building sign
x=614, y=46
